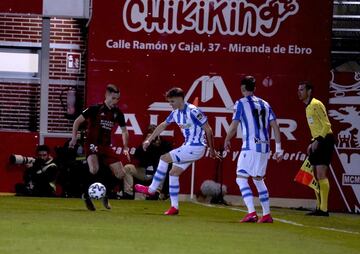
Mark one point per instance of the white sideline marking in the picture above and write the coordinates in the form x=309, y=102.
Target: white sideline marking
x=283, y=221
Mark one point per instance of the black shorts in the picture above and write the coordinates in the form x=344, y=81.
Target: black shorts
x=322, y=155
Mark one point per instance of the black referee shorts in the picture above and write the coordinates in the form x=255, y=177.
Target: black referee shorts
x=322, y=155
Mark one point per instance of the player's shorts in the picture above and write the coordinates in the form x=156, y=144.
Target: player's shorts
x=252, y=163
x=322, y=155
x=184, y=155
x=106, y=154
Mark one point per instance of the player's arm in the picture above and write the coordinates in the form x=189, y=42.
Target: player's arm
x=238, y=109
x=120, y=120
x=230, y=134
x=325, y=123
x=160, y=128
x=210, y=139
x=125, y=140
x=78, y=121
x=325, y=126
x=278, y=151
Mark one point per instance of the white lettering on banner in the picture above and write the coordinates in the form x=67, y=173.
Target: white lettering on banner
x=350, y=179
x=216, y=83
x=134, y=125
x=288, y=156
x=294, y=49
x=227, y=17
x=150, y=46
x=222, y=123
x=238, y=48
x=120, y=44
x=212, y=47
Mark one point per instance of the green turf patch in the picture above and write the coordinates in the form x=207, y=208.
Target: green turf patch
x=44, y=225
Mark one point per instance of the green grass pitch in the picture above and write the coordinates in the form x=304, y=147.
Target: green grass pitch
x=51, y=226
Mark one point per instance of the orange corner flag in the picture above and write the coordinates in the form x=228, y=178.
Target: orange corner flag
x=306, y=176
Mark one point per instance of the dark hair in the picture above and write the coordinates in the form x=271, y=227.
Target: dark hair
x=175, y=92
x=307, y=85
x=42, y=148
x=249, y=83
x=112, y=88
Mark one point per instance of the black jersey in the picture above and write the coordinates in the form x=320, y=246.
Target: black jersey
x=101, y=121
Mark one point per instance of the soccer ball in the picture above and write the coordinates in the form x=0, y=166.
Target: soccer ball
x=97, y=191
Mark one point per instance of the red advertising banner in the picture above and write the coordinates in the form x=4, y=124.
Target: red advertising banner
x=344, y=112
x=207, y=47
x=21, y=6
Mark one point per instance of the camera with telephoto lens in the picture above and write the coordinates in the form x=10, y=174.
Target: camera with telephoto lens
x=19, y=159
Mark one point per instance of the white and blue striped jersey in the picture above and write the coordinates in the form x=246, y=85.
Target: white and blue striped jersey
x=254, y=115
x=190, y=120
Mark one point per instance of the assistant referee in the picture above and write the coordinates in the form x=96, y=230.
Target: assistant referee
x=322, y=144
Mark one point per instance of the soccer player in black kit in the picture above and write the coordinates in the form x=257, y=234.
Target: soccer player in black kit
x=101, y=119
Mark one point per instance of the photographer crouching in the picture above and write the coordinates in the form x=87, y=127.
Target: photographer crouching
x=40, y=174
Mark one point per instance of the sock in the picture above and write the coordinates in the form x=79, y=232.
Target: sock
x=159, y=176
x=263, y=195
x=317, y=195
x=174, y=189
x=246, y=193
x=324, y=194
x=88, y=180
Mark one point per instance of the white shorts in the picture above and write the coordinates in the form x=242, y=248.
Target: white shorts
x=251, y=163
x=184, y=155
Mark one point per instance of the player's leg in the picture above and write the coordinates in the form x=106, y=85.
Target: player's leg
x=130, y=172
x=93, y=163
x=264, y=199
x=118, y=171
x=321, y=175
x=243, y=172
x=182, y=158
x=321, y=158
x=174, y=187
x=160, y=173
x=248, y=198
x=259, y=165
x=158, y=178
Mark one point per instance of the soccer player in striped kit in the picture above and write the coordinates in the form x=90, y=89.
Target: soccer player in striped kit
x=194, y=126
x=256, y=117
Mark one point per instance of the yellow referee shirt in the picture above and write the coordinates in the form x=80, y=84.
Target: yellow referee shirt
x=317, y=119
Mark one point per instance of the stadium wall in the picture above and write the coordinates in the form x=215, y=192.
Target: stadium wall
x=140, y=46
x=20, y=96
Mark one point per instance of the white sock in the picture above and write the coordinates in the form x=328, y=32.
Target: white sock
x=246, y=193
x=159, y=176
x=174, y=189
x=263, y=195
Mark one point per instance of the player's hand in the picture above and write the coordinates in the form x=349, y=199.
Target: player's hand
x=314, y=145
x=227, y=146
x=72, y=143
x=279, y=156
x=145, y=144
x=126, y=153
x=214, y=154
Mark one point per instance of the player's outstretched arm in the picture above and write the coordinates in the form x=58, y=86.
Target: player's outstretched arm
x=78, y=121
x=278, y=150
x=125, y=139
x=156, y=133
x=230, y=134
